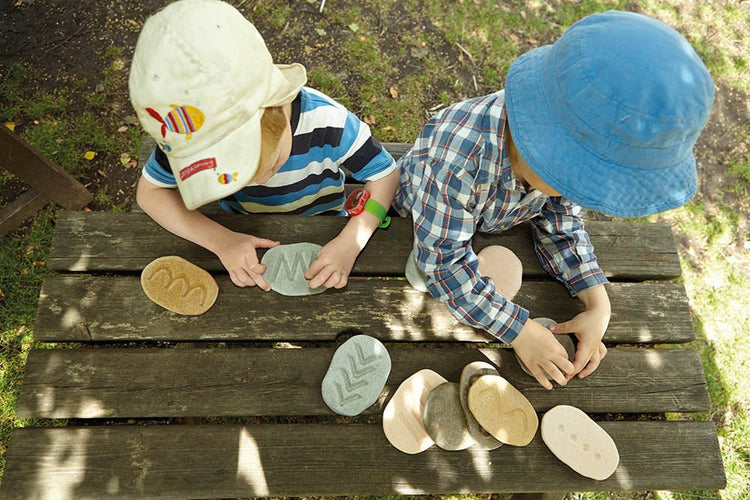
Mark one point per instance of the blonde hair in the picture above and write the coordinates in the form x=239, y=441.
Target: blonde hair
x=272, y=125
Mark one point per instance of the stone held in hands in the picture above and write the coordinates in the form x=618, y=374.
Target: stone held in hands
x=286, y=266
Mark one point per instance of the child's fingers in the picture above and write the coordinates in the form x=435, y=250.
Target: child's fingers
x=342, y=283
x=602, y=350
x=553, y=371
x=565, y=327
x=541, y=377
x=333, y=280
x=314, y=269
x=264, y=243
x=244, y=277
x=322, y=276
x=566, y=366
x=593, y=365
x=583, y=356
x=235, y=279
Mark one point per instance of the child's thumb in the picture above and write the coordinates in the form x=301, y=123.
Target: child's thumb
x=564, y=327
x=264, y=243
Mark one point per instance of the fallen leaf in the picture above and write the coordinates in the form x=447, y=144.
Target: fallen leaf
x=21, y=330
x=373, y=98
x=11, y=126
x=131, y=164
x=362, y=38
x=393, y=92
x=131, y=120
x=134, y=24
x=103, y=174
x=124, y=159
x=123, y=128
x=533, y=40
x=354, y=27
x=369, y=119
x=89, y=155
x=25, y=272
x=513, y=37
x=86, y=209
x=320, y=31
x=2, y=294
x=308, y=49
x=387, y=128
x=28, y=249
x=39, y=263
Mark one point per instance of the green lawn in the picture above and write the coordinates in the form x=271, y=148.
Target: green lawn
x=436, y=53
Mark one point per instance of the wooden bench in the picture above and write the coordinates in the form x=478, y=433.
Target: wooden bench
x=241, y=413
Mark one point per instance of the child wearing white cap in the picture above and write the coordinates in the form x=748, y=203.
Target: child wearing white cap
x=606, y=119
x=234, y=127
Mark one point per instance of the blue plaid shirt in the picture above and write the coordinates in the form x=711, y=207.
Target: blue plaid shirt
x=457, y=180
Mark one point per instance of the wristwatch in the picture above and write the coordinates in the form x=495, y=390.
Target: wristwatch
x=359, y=200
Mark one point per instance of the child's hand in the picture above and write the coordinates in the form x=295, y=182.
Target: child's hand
x=238, y=256
x=333, y=265
x=589, y=326
x=542, y=354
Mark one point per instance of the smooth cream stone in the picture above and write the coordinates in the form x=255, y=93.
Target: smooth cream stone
x=444, y=418
x=179, y=286
x=504, y=267
x=502, y=410
x=402, y=417
x=286, y=266
x=579, y=442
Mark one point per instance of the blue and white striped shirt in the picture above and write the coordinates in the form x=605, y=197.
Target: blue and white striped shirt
x=457, y=180
x=325, y=138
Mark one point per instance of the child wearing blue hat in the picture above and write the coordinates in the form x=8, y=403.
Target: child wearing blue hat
x=606, y=119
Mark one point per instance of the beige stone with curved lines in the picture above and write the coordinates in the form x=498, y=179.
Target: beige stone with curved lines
x=179, y=286
x=502, y=410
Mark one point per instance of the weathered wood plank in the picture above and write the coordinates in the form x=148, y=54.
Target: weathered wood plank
x=96, y=383
x=45, y=177
x=100, y=308
x=20, y=209
x=210, y=461
x=104, y=241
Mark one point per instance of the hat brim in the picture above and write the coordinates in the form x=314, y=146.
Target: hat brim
x=221, y=169
x=294, y=78
x=565, y=164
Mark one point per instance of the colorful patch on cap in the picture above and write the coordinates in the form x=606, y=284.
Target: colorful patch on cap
x=198, y=166
x=182, y=120
x=227, y=179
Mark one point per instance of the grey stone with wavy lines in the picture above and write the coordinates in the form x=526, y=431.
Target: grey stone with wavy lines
x=286, y=266
x=356, y=375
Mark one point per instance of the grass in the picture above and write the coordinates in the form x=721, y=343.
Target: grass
x=433, y=53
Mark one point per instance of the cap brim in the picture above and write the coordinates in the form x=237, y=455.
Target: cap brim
x=221, y=169
x=575, y=172
x=293, y=78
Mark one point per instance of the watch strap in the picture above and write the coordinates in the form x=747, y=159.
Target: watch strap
x=378, y=211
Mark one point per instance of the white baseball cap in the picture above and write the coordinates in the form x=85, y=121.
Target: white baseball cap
x=200, y=78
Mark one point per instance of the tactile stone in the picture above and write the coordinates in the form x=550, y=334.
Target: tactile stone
x=402, y=417
x=444, y=418
x=286, y=266
x=469, y=375
x=502, y=410
x=565, y=340
x=504, y=267
x=414, y=274
x=579, y=442
x=356, y=375
x=179, y=286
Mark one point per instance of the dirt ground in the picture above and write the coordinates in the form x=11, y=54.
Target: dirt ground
x=65, y=43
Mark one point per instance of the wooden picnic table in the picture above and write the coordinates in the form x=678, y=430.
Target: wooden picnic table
x=240, y=413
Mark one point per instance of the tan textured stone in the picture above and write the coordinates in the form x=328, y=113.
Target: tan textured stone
x=179, y=286
x=502, y=410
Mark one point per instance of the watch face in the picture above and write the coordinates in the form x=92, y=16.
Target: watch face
x=355, y=203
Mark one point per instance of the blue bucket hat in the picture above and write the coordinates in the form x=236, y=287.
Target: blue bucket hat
x=608, y=115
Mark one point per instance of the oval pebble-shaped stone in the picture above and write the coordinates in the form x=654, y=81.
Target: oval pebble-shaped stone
x=356, y=375
x=286, y=266
x=402, y=417
x=444, y=418
x=469, y=375
x=414, y=274
x=579, y=442
x=565, y=340
x=179, y=286
x=502, y=410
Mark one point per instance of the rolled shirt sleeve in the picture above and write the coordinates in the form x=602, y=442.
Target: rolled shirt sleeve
x=563, y=247
x=443, y=227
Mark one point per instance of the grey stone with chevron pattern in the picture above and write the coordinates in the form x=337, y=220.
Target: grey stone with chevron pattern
x=286, y=266
x=356, y=376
